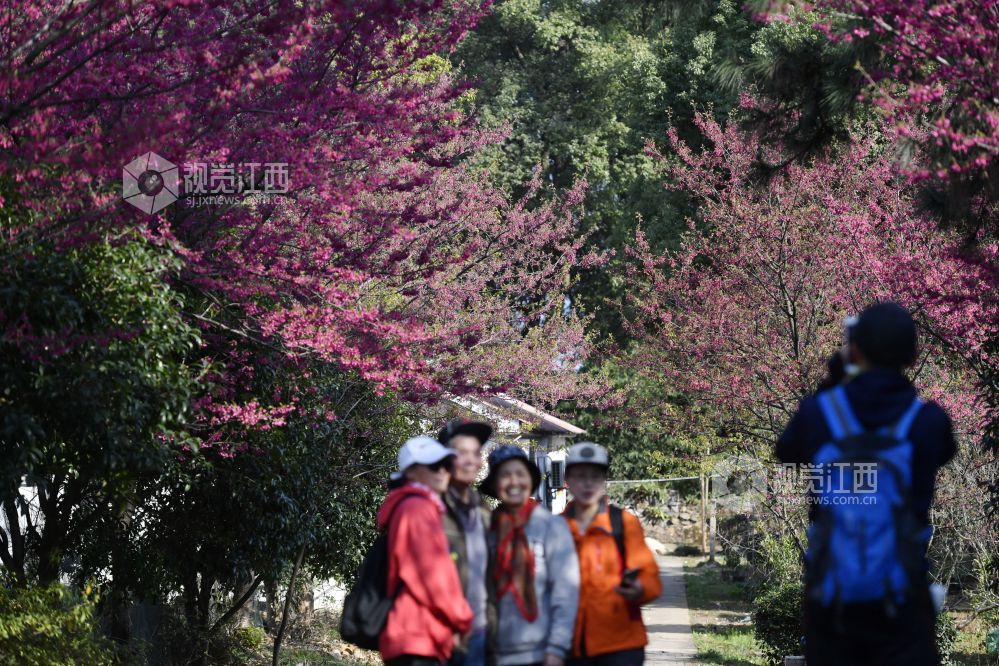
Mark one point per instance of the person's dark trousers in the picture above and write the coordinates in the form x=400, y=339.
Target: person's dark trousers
x=413, y=660
x=634, y=657
x=864, y=636
x=474, y=653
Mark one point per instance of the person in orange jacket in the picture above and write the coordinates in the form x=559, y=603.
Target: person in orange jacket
x=429, y=614
x=618, y=572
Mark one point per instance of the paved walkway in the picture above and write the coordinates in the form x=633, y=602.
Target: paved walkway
x=668, y=620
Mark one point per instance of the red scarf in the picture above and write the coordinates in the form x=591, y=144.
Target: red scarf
x=514, y=558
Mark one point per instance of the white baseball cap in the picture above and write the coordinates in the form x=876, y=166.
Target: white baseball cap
x=420, y=450
x=587, y=453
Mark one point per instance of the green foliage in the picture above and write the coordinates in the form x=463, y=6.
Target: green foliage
x=50, y=626
x=314, y=483
x=731, y=559
x=638, y=444
x=777, y=595
x=97, y=331
x=946, y=630
x=776, y=561
x=249, y=640
x=807, y=84
x=992, y=642
x=777, y=620
x=582, y=86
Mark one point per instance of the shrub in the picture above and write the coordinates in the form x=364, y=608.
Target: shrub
x=654, y=515
x=248, y=641
x=946, y=638
x=777, y=620
x=686, y=550
x=50, y=626
x=992, y=642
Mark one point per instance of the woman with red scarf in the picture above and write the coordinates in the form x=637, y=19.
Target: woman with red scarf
x=533, y=573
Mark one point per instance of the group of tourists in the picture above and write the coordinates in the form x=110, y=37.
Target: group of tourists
x=516, y=585
x=513, y=584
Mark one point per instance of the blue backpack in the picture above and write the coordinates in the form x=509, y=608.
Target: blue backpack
x=865, y=543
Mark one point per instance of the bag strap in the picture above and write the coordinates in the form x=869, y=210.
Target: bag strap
x=901, y=430
x=836, y=409
x=617, y=530
x=615, y=513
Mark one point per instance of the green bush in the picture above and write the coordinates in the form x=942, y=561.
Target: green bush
x=992, y=642
x=946, y=638
x=50, y=626
x=686, y=550
x=777, y=621
x=248, y=641
x=654, y=515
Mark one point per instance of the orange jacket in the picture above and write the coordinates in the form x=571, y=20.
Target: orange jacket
x=605, y=623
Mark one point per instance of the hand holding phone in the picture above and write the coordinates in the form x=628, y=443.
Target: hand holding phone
x=630, y=576
x=630, y=588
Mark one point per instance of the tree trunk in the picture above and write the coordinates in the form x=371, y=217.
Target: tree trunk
x=287, y=603
x=13, y=558
x=119, y=601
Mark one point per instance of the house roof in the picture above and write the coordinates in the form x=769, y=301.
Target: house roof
x=542, y=421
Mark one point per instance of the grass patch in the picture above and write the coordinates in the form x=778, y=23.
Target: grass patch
x=969, y=650
x=719, y=615
x=311, y=656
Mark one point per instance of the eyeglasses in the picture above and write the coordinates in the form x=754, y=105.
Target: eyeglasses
x=445, y=463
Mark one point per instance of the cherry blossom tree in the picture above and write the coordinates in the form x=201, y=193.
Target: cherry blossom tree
x=386, y=256
x=931, y=71
x=384, y=270
x=745, y=314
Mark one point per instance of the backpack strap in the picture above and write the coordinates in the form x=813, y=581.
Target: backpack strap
x=836, y=409
x=617, y=530
x=615, y=513
x=901, y=430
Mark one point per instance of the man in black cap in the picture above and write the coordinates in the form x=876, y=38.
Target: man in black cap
x=875, y=417
x=465, y=523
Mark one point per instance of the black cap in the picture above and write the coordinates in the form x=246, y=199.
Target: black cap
x=502, y=454
x=885, y=334
x=479, y=429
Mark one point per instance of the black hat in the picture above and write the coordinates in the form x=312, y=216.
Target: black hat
x=480, y=430
x=886, y=335
x=502, y=454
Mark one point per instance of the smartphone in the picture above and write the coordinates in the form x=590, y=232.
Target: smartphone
x=630, y=576
x=849, y=324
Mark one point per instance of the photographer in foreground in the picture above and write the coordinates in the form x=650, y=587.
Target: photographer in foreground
x=867, y=599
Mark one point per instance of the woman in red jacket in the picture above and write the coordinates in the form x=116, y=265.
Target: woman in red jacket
x=430, y=611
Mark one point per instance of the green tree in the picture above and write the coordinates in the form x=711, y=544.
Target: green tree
x=50, y=626
x=229, y=521
x=95, y=391
x=581, y=87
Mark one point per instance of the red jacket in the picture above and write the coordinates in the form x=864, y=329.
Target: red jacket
x=430, y=607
